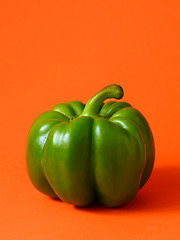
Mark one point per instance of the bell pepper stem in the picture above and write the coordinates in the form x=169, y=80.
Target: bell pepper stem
x=94, y=104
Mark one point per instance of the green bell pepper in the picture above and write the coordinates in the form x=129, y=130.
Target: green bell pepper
x=97, y=151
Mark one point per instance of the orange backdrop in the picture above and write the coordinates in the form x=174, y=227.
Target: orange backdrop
x=57, y=51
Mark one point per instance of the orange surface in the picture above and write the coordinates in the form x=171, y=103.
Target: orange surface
x=56, y=51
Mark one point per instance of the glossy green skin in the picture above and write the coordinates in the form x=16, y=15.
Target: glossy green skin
x=106, y=157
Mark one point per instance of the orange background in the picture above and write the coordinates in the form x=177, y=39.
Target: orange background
x=52, y=51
